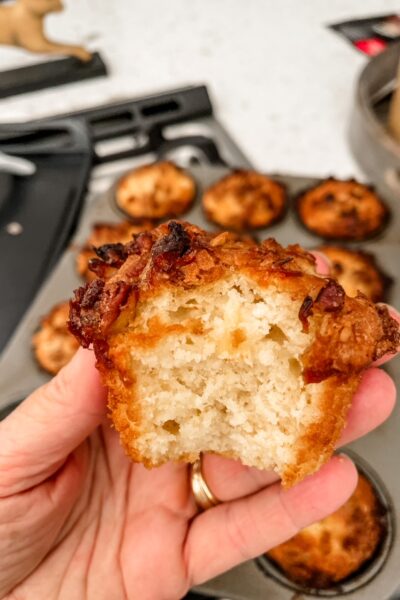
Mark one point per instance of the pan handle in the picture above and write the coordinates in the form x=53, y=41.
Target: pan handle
x=16, y=165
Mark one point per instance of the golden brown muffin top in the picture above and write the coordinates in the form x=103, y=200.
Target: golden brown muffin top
x=331, y=550
x=348, y=333
x=155, y=191
x=357, y=270
x=53, y=344
x=244, y=200
x=347, y=210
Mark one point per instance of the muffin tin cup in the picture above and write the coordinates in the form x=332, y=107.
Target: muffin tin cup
x=367, y=572
x=124, y=214
x=376, y=234
x=19, y=373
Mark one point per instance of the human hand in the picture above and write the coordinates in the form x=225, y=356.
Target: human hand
x=79, y=520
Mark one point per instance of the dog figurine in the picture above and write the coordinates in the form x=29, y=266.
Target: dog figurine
x=22, y=24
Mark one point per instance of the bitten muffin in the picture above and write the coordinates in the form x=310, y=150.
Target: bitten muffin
x=346, y=210
x=53, y=344
x=208, y=343
x=155, y=191
x=327, y=552
x=356, y=271
x=102, y=234
x=245, y=200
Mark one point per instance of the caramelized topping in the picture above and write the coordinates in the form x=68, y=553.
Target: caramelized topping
x=331, y=297
x=305, y=311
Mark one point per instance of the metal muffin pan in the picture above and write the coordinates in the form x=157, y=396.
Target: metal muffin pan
x=19, y=373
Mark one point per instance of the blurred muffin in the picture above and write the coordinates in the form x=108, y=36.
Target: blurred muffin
x=102, y=234
x=53, y=344
x=346, y=210
x=331, y=550
x=244, y=200
x=356, y=270
x=156, y=191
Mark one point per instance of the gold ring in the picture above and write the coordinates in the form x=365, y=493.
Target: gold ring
x=203, y=496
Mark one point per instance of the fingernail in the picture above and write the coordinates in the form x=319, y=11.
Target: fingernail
x=324, y=257
x=324, y=261
x=342, y=455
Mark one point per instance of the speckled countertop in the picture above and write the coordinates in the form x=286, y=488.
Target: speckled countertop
x=281, y=82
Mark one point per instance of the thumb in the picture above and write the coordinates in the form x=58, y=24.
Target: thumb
x=37, y=437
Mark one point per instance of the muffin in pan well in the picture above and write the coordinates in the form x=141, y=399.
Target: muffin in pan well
x=342, y=210
x=245, y=200
x=53, y=344
x=156, y=191
x=330, y=551
x=357, y=270
x=103, y=234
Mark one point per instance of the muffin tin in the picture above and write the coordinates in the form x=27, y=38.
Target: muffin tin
x=380, y=450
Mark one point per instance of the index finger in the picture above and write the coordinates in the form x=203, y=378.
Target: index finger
x=44, y=429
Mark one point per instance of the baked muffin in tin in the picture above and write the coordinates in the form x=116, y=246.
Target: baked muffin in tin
x=357, y=270
x=105, y=233
x=347, y=210
x=155, y=191
x=330, y=551
x=53, y=344
x=245, y=200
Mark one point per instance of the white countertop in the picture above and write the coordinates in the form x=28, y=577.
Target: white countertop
x=281, y=82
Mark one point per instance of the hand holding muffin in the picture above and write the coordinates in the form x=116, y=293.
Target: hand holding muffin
x=64, y=476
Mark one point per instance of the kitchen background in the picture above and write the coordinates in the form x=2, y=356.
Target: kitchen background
x=280, y=80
